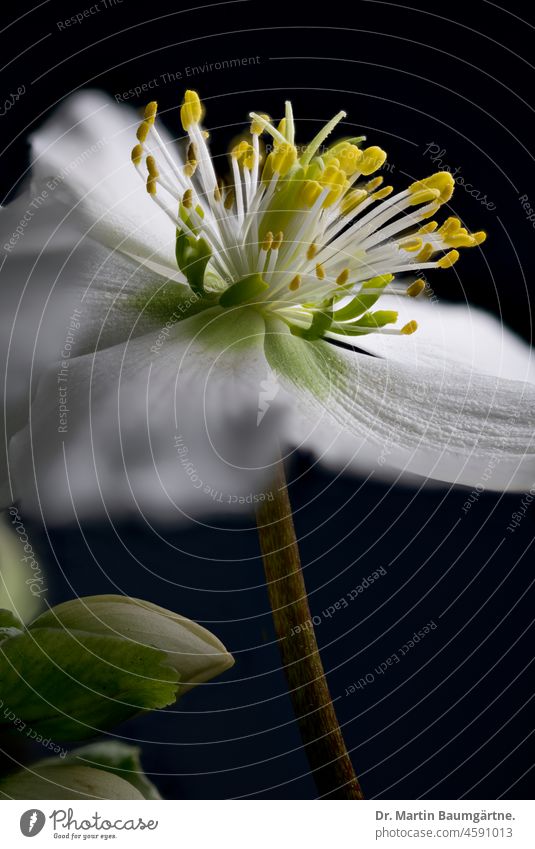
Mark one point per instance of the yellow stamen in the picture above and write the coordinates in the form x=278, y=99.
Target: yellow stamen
x=152, y=168
x=349, y=156
x=256, y=127
x=352, y=200
x=374, y=184
x=413, y=244
x=137, y=154
x=277, y=241
x=268, y=241
x=416, y=288
x=428, y=213
x=320, y=271
x=187, y=199
x=425, y=253
x=191, y=110
x=448, y=259
x=312, y=251
x=430, y=227
x=343, y=277
x=282, y=158
x=372, y=159
x=409, y=328
x=310, y=192
x=442, y=181
x=150, y=111
x=423, y=195
x=383, y=193
x=295, y=283
x=143, y=131
x=479, y=237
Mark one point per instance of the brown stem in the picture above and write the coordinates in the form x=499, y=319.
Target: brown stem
x=321, y=734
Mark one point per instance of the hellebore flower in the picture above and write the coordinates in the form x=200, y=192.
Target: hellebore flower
x=221, y=314
x=92, y=662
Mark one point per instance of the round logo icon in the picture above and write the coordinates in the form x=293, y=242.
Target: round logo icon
x=31, y=822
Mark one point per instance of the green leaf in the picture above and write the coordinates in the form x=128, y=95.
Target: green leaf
x=70, y=685
x=115, y=757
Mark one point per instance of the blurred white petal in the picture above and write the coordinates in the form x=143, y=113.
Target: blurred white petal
x=169, y=432
x=84, y=151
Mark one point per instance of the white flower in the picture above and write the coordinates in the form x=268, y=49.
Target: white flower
x=168, y=364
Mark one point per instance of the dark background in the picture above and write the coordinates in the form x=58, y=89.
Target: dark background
x=454, y=718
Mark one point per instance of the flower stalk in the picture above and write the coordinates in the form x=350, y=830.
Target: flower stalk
x=320, y=731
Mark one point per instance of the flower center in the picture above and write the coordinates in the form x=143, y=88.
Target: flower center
x=308, y=234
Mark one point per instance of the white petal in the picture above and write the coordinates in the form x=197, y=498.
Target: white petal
x=82, y=155
x=462, y=333
x=165, y=426
x=36, y=266
x=437, y=421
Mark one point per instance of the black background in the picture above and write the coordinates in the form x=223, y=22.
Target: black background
x=454, y=718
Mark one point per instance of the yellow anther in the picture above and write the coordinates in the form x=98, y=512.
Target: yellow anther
x=383, y=193
x=333, y=178
x=282, y=127
x=352, y=200
x=310, y=192
x=295, y=283
x=137, y=154
x=416, y=288
x=374, y=184
x=151, y=185
x=268, y=241
x=460, y=240
x=411, y=245
x=152, y=168
x=343, y=277
x=191, y=110
x=256, y=127
x=430, y=227
x=450, y=225
x=187, y=199
x=428, y=212
x=282, y=158
x=312, y=251
x=423, y=195
x=426, y=252
x=410, y=327
x=349, y=156
x=217, y=194
x=479, y=237
x=150, y=111
x=372, y=158
x=143, y=131
x=320, y=271
x=277, y=241
x=442, y=181
x=240, y=149
x=448, y=259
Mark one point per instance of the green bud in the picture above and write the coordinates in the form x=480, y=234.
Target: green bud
x=65, y=781
x=93, y=662
x=113, y=756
